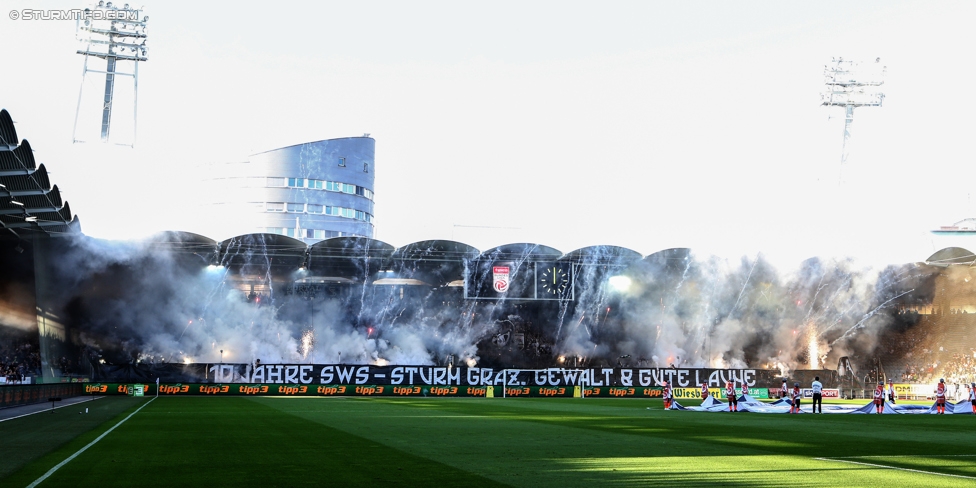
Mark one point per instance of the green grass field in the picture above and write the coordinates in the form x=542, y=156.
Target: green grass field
x=535, y=442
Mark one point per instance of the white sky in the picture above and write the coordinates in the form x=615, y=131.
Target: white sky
x=647, y=125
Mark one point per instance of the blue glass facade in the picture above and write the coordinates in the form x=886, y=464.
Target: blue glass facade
x=311, y=191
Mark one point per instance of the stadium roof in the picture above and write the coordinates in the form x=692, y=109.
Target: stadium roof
x=605, y=255
x=19, y=161
x=436, y=250
x=523, y=251
x=28, y=202
x=8, y=134
x=346, y=259
x=363, y=260
x=951, y=256
x=259, y=254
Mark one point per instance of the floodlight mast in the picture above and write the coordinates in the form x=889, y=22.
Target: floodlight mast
x=115, y=34
x=852, y=84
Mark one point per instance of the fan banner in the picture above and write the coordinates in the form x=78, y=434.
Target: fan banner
x=346, y=374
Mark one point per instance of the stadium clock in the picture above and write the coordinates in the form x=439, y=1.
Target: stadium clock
x=554, y=280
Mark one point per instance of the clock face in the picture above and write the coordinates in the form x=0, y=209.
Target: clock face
x=553, y=280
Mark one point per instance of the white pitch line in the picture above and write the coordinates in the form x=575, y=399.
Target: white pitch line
x=92, y=443
x=883, y=466
x=49, y=409
x=903, y=456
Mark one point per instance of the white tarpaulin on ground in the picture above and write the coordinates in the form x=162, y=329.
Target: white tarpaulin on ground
x=749, y=404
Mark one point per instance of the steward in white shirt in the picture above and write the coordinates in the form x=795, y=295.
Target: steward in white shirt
x=817, y=395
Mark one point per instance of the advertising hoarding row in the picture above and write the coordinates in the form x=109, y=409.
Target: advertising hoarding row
x=258, y=389
x=13, y=395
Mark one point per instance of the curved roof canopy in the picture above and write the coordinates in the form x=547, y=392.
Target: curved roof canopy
x=677, y=256
x=950, y=256
x=434, y=262
x=28, y=202
x=179, y=243
x=20, y=161
x=257, y=254
x=350, y=248
x=674, y=260
x=30, y=183
x=353, y=258
x=8, y=134
x=523, y=251
x=603, y=255
x=436, y=250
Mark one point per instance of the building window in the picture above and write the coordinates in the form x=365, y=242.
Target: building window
x=322, y=184
x=363, y=216
x=275, y=207
x=342, y=162
x=296, y=207
x=275, y=230
x=314, y=234
x=313, y=208
x=365, y=167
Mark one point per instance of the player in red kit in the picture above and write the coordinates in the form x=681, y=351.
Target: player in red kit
x=795, y=397
x=666, y=395
x=940, y=394
x=730, y=393
x=704, y=391
x=972, y=396
x=879, y=397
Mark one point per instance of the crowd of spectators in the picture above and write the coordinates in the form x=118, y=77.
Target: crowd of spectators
x=927, y=367
x=960, y=369
x=915, y=373
x=19, y=361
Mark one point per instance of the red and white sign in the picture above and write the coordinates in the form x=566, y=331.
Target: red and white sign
x=499, y=278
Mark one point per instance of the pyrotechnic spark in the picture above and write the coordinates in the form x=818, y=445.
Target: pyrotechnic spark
x=306, y=343
x=869, y=315
x=184, y=330
x=744, y=284
x=813, y=349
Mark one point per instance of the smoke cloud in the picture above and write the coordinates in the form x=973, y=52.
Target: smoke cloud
x=703, y=311
x=142, y=302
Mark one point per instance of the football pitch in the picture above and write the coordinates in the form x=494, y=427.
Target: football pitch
x=533, y=442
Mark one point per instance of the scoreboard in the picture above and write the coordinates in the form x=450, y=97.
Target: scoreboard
x=519, y=280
